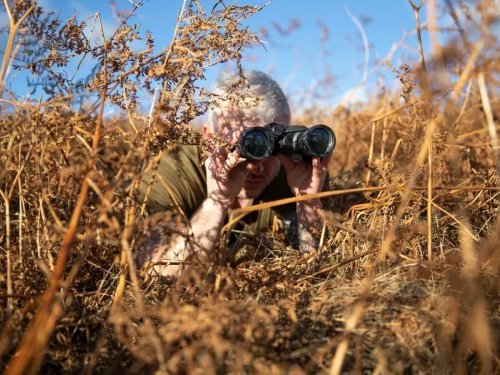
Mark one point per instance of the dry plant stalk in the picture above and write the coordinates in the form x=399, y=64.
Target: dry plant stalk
x=34, y=343
x=410, y=182
x=13, y=29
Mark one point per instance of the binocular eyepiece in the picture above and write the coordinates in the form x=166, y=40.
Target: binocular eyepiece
x=298, y=141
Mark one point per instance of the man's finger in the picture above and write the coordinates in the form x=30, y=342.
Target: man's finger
x=319, y=169
x=287, y=162
x=217, y=164
x=325, y=161
x=231, y=161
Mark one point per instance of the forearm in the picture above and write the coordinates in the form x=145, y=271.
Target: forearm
x=206, y=225
x=307, y=178
x=169, y=259
x=309, y=224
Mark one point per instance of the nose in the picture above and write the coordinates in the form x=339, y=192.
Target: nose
x=256, y=167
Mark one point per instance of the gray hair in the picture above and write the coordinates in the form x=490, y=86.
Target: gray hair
x=269, y=103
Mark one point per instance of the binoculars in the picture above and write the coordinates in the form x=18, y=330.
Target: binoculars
x=298, y=141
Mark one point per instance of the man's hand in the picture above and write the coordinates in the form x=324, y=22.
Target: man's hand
x=305, y=177
x=226, y=173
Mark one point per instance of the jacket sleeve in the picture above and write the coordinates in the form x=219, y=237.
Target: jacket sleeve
x=179, y=180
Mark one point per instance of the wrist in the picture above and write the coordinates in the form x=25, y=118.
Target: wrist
x=311, y=203
x=307, y=212
x=218, y=201
x=309, y=224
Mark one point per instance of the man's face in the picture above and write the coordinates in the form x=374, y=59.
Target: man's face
x=262, y=172
x=232, y=123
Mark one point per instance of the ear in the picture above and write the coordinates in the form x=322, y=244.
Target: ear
x=206, y=132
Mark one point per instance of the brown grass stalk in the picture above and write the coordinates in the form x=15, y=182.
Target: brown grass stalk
x=174, y=35
x=370, y=152
x=433, y=27
x=468, y=70
x=13, y=28
x=20, y=224
x=416, y=11
x=351, y=323
x=425, y=151
x=392, y=112
x=340, y=264
x=477, y=322
x=456, y=220
x=492, y=129
x=375, y=297
x=126, y=258
x=324, y=194
x=31, y=349
x=7, y=250
x=429, y=203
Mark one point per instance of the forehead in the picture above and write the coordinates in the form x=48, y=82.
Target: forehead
x=234, y=119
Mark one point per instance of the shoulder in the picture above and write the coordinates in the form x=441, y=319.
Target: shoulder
x=177, y=178
x=182, y=153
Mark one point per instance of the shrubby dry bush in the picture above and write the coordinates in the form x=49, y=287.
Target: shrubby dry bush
x=401, y=284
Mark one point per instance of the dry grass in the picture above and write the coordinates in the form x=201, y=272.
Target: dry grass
x=407, y=279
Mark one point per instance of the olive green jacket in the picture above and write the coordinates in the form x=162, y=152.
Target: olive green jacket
x=181, y=181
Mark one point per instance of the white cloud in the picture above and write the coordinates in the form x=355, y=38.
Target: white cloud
x=355, y=95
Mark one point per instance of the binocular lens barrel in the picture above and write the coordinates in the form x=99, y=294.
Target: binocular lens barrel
x=260, y=142
x=256, y=144
x=318, y=141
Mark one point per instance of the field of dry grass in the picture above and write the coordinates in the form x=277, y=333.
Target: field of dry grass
x=407, y=277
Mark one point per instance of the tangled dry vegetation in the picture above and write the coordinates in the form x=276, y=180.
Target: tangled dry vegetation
x=407, y=278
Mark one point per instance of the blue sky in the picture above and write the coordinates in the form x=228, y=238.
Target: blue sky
x=327, y=41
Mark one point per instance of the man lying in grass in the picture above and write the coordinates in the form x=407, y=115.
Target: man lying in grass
x=228, y=181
